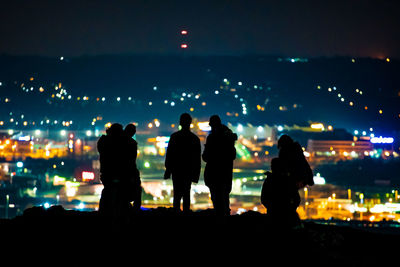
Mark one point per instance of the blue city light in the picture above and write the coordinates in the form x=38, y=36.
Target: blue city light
x=382, y=140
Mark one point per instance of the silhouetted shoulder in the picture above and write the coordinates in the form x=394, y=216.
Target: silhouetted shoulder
x=175, y=135
x=184, y=135
x=195, y=137
x=101, y=143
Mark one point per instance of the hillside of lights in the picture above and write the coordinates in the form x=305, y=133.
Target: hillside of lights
x=53, y=112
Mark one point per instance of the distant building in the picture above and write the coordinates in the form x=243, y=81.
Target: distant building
x=338, y=149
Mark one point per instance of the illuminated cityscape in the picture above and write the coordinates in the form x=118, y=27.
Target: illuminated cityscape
x=61, y=167
x=342, y=105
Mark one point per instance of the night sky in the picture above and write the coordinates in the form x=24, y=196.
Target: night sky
x=359, y=28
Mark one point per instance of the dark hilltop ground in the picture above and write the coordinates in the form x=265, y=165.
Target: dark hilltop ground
x=163, y=236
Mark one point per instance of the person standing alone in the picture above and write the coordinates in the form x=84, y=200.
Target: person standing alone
x=183, y=162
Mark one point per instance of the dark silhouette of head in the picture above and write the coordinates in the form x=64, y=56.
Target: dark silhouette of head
x=185, y=121
x=284, y=141
x=215, y=122
x=130, y=129
x=115, y=129
x=276, y=165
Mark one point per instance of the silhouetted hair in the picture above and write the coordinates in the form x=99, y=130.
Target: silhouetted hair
x=130, y=129
x=185, y=120
x=215, y=121
x=115, y=129
x=284, y=140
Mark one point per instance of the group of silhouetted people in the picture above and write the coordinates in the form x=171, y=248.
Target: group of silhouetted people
x=118, y=171
x=121, y=178
x=183, y=162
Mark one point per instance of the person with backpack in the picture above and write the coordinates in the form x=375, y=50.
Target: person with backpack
x=219, y=154
x=294, y=162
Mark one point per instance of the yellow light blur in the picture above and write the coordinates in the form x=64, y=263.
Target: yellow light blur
x=318, y=126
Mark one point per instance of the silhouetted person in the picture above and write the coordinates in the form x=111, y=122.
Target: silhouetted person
x=280, y=196
x=112, y=148
x=219, y=154
x=133, y=174
x=294, y=162
x=183, y=161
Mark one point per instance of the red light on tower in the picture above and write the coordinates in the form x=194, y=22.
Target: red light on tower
x=184, y=46
x=184, y=32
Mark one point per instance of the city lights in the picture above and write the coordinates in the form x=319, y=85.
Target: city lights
x=382, y=140
x=87, y=176
x=56, y=118
x=204, y=126
x=317, y=126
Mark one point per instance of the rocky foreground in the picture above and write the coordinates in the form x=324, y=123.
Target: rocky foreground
x=162, y=236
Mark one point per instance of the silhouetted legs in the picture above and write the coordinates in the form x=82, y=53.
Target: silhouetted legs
x=137, y=197
x=181, y=191
x=220, y=198
x=113, y=201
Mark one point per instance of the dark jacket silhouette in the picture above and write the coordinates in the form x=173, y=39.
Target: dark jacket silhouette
x=115, y=156
x=294, y=162
x=280, y=195
x=183, y=162
x=219, y=154
x=113, y=160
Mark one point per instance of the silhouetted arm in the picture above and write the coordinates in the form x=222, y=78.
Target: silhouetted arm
x=100, y=144
x=234, y=138
x=206, y=152
x=135, y=149
x=198, y=163
x=169, y=158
